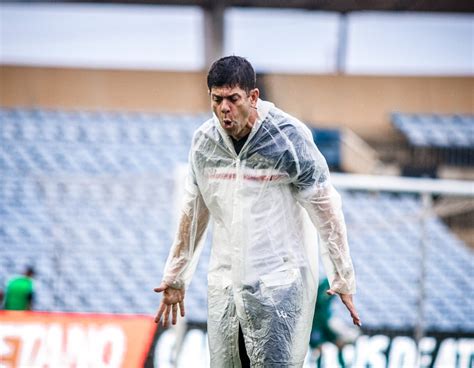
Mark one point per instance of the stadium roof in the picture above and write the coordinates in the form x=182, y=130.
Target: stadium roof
x=343, y=6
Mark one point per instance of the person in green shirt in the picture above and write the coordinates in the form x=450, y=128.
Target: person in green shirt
x=321, y=331
x=19, y=291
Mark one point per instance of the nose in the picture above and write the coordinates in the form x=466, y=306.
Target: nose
x=225, y=106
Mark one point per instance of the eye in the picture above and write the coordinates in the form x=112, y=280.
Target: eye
x=234, y=98
x=217, y=99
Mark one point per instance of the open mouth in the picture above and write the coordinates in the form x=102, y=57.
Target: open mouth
x=227, y=123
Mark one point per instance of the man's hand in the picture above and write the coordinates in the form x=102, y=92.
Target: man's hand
x=172, y=298
x=347, y=301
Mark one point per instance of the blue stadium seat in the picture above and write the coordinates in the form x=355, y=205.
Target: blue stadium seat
x=87, y=198
x=432, y=130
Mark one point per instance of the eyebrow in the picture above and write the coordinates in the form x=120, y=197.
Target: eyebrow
x=219, y=96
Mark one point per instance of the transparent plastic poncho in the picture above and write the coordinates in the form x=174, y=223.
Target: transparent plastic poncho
x=268, y=205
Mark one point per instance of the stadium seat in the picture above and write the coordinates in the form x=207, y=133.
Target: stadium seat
x=87, y=198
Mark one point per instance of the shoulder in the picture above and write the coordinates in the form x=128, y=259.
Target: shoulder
x=206, y=126
x=288, y=125
x=13, y=281
x=205, y=129
x=204, y=140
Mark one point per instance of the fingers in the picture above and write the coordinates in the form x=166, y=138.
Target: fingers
x=160, y=313
x=355, y=316
x=347, y=300
x=174, y=314
x=160, y=288
x=166, y=316
x=356, y=320
x=165, y=310
x=172, y=299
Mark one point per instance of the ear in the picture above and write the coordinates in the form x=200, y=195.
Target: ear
x=254, y=93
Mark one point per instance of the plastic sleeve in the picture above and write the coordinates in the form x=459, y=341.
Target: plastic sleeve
x=189, y=240
x=325, y=210
x=323, y=204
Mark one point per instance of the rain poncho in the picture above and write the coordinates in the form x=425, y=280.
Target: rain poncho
x=265, y=204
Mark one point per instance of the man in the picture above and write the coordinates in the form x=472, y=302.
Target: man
x=257, y=173
x=19, y=291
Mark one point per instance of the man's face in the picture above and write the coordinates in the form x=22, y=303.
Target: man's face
x=235, y=109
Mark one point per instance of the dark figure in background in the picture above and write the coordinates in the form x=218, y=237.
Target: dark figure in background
x=19, y=291
x=323, y=331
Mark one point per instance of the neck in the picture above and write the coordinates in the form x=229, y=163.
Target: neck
x=241, y=134
x=248, y=127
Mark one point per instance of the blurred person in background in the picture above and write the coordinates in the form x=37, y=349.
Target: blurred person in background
x=19, y=291
x=257, y=172
x=326, y=328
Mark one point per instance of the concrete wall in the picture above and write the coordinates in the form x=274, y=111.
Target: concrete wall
x=364, y=103
x=183, y=92
x=361, y=103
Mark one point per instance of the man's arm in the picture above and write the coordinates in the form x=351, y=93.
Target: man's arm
x=323, y=204
x=183, y=258
x=188, y=242
x=325, y=210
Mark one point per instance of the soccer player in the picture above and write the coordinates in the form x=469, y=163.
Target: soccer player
x=19, y=291
x=256, y=172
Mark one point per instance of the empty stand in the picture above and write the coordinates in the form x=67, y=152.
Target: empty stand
x=88, y=199
x=431, y=130
x=436, y=140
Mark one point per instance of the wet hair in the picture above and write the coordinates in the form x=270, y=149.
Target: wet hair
x=232, y=71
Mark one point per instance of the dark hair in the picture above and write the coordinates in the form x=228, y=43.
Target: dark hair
x=232, y=71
